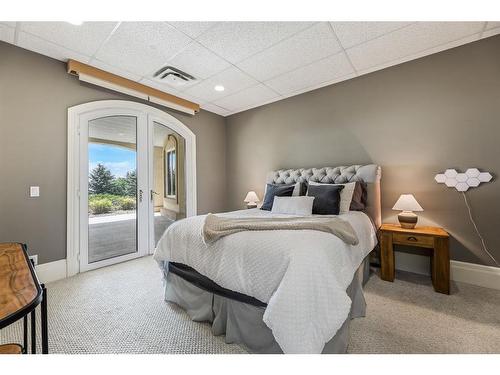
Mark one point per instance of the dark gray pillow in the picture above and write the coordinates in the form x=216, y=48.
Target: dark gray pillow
x=276, y=191
x=326, y=199
x=359, y=197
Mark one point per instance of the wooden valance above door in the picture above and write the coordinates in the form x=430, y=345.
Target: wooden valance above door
x=99, y=77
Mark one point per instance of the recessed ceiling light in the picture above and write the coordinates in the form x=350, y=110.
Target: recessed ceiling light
x=219, y=88
x=76, y=23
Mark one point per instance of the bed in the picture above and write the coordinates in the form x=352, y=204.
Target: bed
x=276, y=291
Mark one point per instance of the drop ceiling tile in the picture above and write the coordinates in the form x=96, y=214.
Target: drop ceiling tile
x=85, y=39
x=232, y=79
x=320, y=85
x=409, y=40
x=198, y=61
x=46, y=48
x=236, y=41
x=112, y=69
x=215, y=109
x=142, y=47
x=353, y=33
x=442, y=47
x=301, y=49
x=255, y=95
x=325, y=70
x=7, y=33
x=8, y=23
x=491, y=32
x=492, y=25
x=193, y=29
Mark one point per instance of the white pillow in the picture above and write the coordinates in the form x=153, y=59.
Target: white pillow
x=301, y=206
x=345, y=195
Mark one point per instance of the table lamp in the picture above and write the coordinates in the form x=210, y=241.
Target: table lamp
x=251, y=199
x=407, y=204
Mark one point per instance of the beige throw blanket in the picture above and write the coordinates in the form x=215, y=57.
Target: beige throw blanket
x=216, y=227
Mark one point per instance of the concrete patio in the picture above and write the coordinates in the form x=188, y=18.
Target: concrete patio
x=116, y=235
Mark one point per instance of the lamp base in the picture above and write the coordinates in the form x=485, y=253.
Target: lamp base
x=252, y=205
x=407, y=219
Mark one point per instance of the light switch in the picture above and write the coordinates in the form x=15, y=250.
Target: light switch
x=34, y=191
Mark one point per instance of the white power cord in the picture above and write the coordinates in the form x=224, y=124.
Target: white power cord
x=477, y=230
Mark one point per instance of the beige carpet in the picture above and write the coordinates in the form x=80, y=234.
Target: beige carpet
x=120, y=309
x=407, y=316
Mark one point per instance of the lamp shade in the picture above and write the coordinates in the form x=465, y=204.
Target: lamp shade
x=407, y=202
x=251, y=197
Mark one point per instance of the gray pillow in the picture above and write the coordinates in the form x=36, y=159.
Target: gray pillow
x=326, y=198
x=276, y=191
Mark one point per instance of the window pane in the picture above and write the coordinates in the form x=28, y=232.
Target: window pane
x=112, y=187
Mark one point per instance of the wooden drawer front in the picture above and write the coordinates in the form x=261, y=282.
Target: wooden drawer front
x=412, y=239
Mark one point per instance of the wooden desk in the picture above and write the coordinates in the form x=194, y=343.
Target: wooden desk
x=21, y=293
x=11, y=349
x=425, y=237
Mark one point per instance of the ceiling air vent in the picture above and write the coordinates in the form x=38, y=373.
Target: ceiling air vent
x=173, y=76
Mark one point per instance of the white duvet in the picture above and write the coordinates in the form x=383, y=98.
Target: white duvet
x=301, y=275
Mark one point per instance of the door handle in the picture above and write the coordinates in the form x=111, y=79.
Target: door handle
x=153, y=193
x=140, y=195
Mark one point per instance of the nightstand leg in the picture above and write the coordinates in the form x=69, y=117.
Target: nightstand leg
x=386, y=257
x=441, y=266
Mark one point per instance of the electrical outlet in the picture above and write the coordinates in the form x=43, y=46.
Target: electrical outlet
x=34, y=259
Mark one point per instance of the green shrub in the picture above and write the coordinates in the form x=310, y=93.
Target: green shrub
x=118, y=202
x=114, y=199
x=127, y=203
x=100, y=206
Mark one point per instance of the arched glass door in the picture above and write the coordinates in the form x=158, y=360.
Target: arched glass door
x=131, y=173
x=167, y=178
x=113, y=188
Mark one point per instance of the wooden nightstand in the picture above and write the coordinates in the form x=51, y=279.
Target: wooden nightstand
x=426, y=237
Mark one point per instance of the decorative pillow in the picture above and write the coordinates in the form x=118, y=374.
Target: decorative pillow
x=293, y=205
x=276, y=190
x=326, y=198
x=346, y=194
x=359, y=197
x=299, y=188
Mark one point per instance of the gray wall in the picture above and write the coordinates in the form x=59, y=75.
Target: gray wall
x=35, y=93
x=414, y=119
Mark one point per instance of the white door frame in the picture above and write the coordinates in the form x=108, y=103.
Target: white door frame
x=117, y=107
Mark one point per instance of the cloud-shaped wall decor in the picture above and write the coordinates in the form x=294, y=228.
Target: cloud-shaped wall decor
x=463, y=181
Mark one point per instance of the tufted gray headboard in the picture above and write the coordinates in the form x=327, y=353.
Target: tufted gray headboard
x=371, y=174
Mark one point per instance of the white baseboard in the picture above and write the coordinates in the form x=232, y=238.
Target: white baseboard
x=53, y=271
x=470, y=273
x=476, y=274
